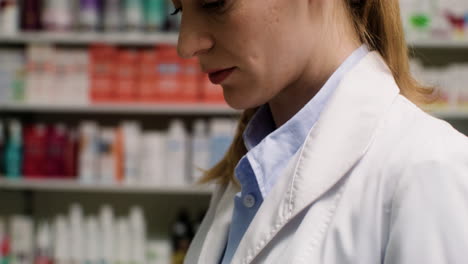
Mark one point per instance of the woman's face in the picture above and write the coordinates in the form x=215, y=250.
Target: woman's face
x=263, y=45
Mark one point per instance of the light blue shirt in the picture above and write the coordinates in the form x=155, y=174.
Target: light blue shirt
x=270, y=150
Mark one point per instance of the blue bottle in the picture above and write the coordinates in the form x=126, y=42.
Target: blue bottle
x=13, y=151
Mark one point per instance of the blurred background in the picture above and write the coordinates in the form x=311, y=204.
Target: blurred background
x=104, y=130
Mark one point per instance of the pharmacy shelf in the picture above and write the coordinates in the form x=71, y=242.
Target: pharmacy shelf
x=89, y=38
x=438, y=44
x=167, y=109
x=74, y=186
x=145, y=39
x=184, y=109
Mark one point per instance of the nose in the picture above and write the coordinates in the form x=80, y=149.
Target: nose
x=193, y=41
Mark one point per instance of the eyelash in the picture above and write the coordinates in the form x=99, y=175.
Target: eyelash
x=209, y=6
x=176, y=11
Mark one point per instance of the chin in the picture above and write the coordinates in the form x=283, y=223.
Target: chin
x=239, y=101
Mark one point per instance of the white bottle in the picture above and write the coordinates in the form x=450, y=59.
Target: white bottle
x=88, y=168
x=61, y=241
x=200, y=151
x=131, y=134
x=43, y=243
x=93, y=241
x=106, y=225
x=137, y=235
x=159, y=252
x=112, y=15
x=154, y=158
x=9, y=18
x=177, y=151
x=222, y=133
x=22, y=242
x=76, y=229
x=58, y=15
x=122, y=245
x=107, y=156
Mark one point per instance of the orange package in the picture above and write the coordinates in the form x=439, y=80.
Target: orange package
x=168, y=75
x=128, y=75
x=148, y=81
x=190, y=90
x=102, y=72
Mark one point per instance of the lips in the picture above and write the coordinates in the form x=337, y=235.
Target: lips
x=217, y=77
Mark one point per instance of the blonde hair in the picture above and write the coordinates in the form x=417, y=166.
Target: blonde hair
x=378, y=25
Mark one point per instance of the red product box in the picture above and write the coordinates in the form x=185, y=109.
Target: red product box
x=169, y=72
x=128, y=75
x=103, y=72
x=190, y=90
x=148, y=82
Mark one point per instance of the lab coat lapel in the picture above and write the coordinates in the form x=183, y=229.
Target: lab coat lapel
x=216, y=237
x=334, y=145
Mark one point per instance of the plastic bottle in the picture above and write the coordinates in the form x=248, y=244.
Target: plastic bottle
x=221, y=138
x=155, y=14
x=154, y=158
x=131, y=151
x=61, y=241
x=31, y=15
x=13, y=151
x=106, y=225
x=22, y=246
x=43, y=253
x=417, y=17
x=112, y=15
x=56, y=146
x=176, y=154
x=137, y=234
x=71, y=155
x=4, y=244
x=93, y=243
x=107, y=156
x=159, y=252
x=35, y=151
x=134, y=17
x=58, y=15
x=122, y=246
x=89, y=152
x=200, y=151
x=89, y=15
x=9, y=17
x=76, y=220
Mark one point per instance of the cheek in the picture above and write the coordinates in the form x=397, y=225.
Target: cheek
x=264, y=47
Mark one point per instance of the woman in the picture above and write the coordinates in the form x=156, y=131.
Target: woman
x=332, y=161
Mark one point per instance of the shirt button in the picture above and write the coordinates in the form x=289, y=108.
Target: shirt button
x=249, y=201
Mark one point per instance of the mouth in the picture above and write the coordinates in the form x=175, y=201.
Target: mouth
x=218, y=76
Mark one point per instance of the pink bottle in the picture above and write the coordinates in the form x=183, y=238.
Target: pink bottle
x=56, y=145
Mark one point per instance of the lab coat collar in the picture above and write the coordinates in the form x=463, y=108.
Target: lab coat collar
x=333, y=146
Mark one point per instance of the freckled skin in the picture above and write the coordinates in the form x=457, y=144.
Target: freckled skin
x=283, y=50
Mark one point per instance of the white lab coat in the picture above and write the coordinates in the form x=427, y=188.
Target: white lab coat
x=376, y=181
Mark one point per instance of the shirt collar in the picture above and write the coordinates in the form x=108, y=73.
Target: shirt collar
x=269, y=148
